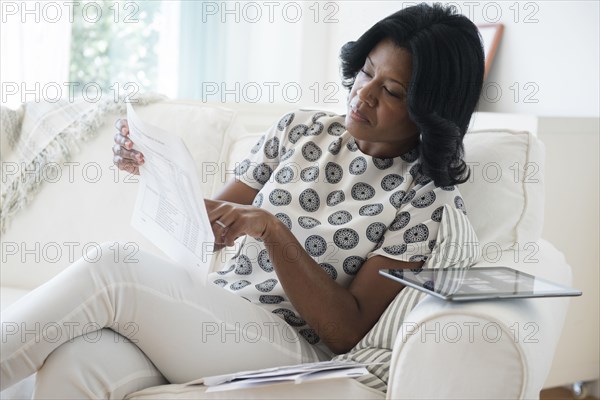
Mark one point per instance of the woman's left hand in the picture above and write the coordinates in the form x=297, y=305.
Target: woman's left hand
x=230, y=221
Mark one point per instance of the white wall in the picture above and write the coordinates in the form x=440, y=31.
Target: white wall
x=552, y=45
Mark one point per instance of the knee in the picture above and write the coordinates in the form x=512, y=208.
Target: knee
x=100, y=364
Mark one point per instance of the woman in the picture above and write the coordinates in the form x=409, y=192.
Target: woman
x=323, y=202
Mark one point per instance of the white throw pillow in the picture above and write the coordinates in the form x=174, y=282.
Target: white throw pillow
x=505, y=194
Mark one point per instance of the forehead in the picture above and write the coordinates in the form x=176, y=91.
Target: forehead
x=391, y=60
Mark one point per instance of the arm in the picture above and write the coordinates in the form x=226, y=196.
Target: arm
x=340, y=316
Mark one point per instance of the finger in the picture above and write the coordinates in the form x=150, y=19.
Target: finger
x=232, y=233
x=130, y=155
x=219, y=230
x=122, y=126
x=126, y=165
x=123, y=141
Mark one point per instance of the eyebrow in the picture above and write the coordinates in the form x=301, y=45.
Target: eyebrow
x=391, y=79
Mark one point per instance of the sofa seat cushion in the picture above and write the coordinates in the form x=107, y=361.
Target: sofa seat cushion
x=341, y=388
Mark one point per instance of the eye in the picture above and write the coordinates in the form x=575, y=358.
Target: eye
x=399, y=95
x=365, y=72
x=392, y=93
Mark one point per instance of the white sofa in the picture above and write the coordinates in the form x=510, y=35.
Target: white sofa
x=508, y=353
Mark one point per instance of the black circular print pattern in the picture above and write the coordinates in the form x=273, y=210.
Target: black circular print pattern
x=284, y=175
x=336, y=129
x=315, y=129
x=290, y=317
x=258, y=145
x=425, y=200
x=315, y=245
x=270, y=299
x=383, y=163
x=264, y=262
x=239, y=285
x=243, y=265
x=345, y=238
x=267, y=285
x=352, y=264
x=317, y=116
x=309, y=174
x=330, y=269
x=432, y=244
x=333, y=172
x=351, y=145
x=309, y=200
x=417, y=233
x=335, y=146
x=339, y=218
x=410, y=156
x=272, y=148
x=395, y=249
x=310, y=335
x=375, y=231
x=262, y=173
x=401, y=220
x=460, y=204
x=409, y=196
x=358, y=166
x=228, y=270
x=258, y=200
x=285, y=219
x=391, y=182
x=437, y=214
x=220, y=282
x=280, y=197
x=362, y=191
x=241, y=168
x=308, y=222
x=285, y=154
x=311, y=152
x=371, y=210
x=396, y=198
x=285, y=121
x=336, y=197
x=296, y=133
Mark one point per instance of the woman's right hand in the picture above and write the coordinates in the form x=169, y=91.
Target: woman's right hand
x=125, y=158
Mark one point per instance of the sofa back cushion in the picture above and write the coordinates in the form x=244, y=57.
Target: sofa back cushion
x=505, y=192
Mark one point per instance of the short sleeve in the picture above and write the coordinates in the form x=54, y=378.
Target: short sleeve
x=257, y=167
x=427, y=218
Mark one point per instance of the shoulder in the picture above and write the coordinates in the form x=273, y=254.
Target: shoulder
x=425, y=194
x=311, y=122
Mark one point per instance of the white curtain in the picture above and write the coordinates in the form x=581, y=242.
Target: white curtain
x=34, y=56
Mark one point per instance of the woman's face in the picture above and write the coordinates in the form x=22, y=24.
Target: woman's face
x=377, y=105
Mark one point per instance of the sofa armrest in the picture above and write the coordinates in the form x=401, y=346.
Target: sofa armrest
x=497, y=349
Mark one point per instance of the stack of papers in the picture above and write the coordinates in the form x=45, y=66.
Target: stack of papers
x=292, y=373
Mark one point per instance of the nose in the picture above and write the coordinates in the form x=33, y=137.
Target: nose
x=365, y=95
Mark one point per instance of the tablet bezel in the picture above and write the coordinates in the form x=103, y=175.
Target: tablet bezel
x=559, y=291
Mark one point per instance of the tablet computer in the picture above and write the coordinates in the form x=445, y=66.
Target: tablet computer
x=478, y=283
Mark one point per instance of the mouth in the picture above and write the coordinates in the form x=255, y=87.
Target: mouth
x=355, y=114
x=358, y=116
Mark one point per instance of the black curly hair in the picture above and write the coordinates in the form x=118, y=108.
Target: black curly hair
x=447, y=77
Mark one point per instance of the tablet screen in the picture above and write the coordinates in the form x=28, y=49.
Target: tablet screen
x=478, y=283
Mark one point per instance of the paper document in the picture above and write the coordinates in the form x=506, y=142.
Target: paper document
x=170, y=209
x=293, y=373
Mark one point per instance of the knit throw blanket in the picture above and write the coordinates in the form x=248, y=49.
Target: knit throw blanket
x=37, y=137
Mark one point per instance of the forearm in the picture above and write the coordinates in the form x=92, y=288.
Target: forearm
x=327, y=307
